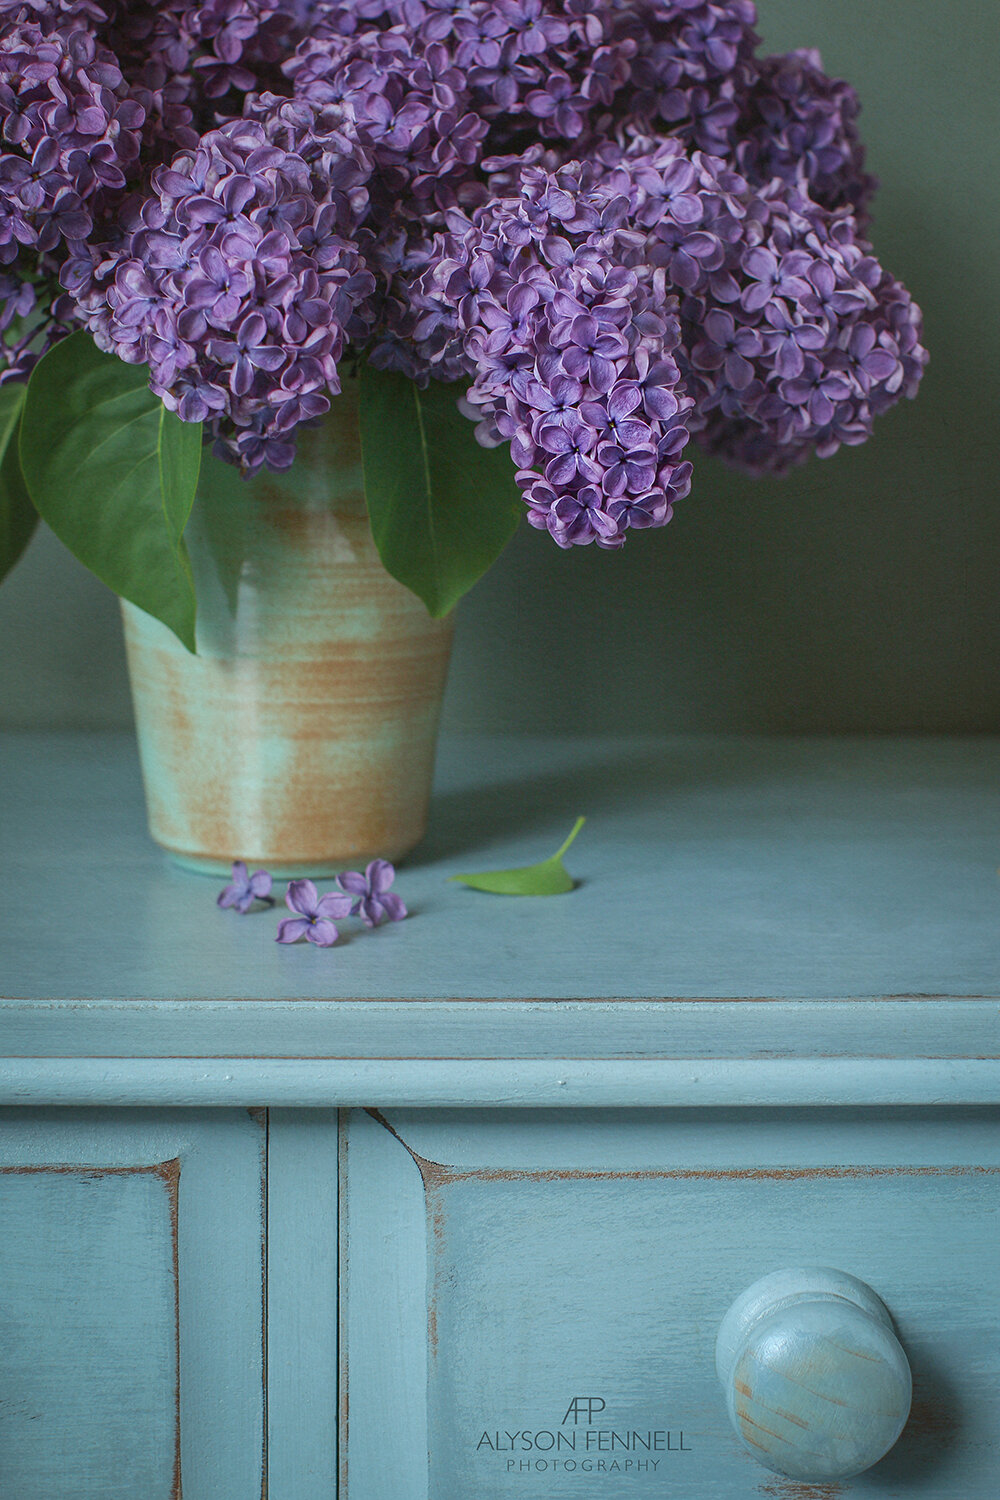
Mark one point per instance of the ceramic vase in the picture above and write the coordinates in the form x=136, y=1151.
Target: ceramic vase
x=301, y=736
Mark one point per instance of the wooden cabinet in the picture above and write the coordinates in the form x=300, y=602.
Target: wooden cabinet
x=456, y=1206
x=469, y=1301
x=535, y=1296
x=131, y=1279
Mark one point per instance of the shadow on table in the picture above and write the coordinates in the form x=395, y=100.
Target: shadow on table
x=600, y=778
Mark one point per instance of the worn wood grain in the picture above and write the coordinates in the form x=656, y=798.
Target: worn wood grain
x=302, y=1312
x=73, y=1412
x=709, y=868
x=525, y=1083
x=595, y=1255
x=383, y=1380
x=130, y=1299
x=814, y=1377
x=455, y=1029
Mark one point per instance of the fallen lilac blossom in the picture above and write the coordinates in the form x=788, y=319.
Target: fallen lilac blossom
x=372, y=900
x=314, y=915
x=244, y=889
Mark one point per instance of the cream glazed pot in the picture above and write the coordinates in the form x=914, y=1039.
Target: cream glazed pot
x=302, y=734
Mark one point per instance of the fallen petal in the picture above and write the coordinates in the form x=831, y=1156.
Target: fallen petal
x=323, y=933
x=380, y=874
x=333, y=904
x=301, y=897
x=290, y=929
x=394, y=906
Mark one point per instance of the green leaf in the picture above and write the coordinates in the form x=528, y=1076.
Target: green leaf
x=114, y=474
x=442, y=507
x=18, y=517
x=550, y=878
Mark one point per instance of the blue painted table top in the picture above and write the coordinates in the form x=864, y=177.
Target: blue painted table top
x=708, y=868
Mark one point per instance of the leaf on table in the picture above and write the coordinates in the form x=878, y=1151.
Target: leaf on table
x=18, y=517
x=550, y=878
x=114, y=474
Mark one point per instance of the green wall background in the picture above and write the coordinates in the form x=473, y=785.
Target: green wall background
x=861, y=594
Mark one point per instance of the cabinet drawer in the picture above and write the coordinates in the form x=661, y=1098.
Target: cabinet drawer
x=130, y=1304
x=530, y=1299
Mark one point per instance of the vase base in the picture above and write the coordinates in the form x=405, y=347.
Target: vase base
x=315, y=869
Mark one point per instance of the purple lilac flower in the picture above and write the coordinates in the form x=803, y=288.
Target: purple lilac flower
x=65, y=111
x=215, y=291
x=828, y=357
x=614, y=225
x=244, y=889
x=800, y=125
x=314, y=915
x=374, y=900
x=571, y=346
x=686, y=77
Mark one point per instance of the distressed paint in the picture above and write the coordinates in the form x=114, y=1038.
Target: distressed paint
x=73, y=1413
x=344, y=1338
x=302, y=735
x=581, y=1029
x=800, y=870
x=794, y=1489
x=383, y=1380
x=530, y=1053
x=302, y=1311
x=724, y=1144
x=588, y=1228
x=155, y=1222
x=598, y=1257
x=529, y=1085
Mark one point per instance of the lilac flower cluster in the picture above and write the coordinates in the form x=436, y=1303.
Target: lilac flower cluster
x=611, y=311
x=799, y=340
x=572, y=348
x=184, y=59
x=238, y=287
x=71, y=135
x=801, y=126
x=615, y=225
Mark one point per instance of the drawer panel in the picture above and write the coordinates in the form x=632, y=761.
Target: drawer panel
x=531, y=1299
x=131, y=1282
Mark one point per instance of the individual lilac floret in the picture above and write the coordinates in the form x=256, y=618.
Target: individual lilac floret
x=375, y=900
x=314, y=914
x=245, y=889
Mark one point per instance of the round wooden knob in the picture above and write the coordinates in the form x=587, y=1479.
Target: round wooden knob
x=816, y=1382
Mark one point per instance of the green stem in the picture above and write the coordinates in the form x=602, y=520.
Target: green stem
x=576, y=829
